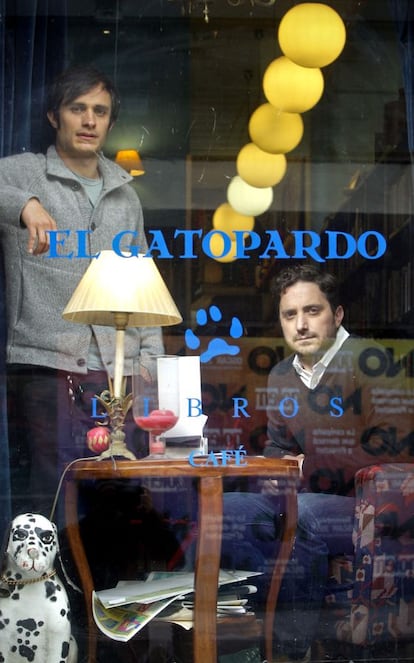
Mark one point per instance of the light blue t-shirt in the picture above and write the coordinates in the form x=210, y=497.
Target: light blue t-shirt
x=93, y=188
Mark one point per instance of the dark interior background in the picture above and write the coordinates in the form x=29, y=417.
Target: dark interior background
x=190, y=75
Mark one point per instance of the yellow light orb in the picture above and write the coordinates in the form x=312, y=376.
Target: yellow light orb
x=227, y=219
x=290, y=87
x=259, y=168
x=247, y=199
x=312, y=34
x=217, y=247
x=275, y=131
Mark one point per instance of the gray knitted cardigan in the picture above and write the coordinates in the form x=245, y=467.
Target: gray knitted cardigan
x=39, y=287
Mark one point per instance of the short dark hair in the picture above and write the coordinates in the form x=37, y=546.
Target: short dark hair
x=78, y=80
x=326, y=282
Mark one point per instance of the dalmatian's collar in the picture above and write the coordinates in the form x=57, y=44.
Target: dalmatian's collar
x=27, y=581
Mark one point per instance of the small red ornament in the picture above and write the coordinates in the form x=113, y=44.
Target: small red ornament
x=98, y=439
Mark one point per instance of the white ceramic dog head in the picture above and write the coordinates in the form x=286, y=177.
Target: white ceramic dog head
x=32, y=545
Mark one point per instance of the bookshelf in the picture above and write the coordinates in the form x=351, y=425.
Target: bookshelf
x=378, y=293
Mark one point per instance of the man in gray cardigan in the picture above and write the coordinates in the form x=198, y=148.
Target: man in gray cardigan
x=55, y=366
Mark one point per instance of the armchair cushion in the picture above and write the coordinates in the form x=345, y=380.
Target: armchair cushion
x=371, y=596
x=383, y=593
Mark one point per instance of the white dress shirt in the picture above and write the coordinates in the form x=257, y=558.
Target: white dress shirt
x=312, y=378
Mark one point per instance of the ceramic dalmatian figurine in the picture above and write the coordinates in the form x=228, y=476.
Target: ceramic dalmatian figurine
x=34, y=609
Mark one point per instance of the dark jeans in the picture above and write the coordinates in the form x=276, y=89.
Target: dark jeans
x=325, y=524
x=49, y=414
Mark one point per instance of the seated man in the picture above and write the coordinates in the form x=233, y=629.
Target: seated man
x=324, y=409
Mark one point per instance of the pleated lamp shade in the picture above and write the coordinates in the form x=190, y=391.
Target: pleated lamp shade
x=127, y=284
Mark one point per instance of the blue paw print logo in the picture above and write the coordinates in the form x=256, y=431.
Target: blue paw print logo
x=217, y=346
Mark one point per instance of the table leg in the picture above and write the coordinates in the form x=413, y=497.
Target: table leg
x=288, y=537
x=210, y=511
x=81, y=561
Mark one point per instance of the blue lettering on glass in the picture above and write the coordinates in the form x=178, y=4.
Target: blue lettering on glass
x=275, y=246
x=205, y=244
x=95, y=414
x=306, y=244
x=219, y=458
x=194, y=404
x=362, y=245
x=241, y=246
x=158, y=244
x=288, y=407
x=188, y=242
x=57, y=238
x=239, y=407
x=333, y=245
x=82, y=244
x=119, y=250
x=303, y=249
x=337, y=409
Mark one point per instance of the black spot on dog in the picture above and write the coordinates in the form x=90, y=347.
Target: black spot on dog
x=28, y=624
x=65, y=650
x=26, y=652
x=50, y=589
x=4, y=621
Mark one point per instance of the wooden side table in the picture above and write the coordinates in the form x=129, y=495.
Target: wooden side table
x=210, y=494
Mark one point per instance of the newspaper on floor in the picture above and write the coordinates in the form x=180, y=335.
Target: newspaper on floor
x=160, y=586
x=123, y=622
x=121, y=612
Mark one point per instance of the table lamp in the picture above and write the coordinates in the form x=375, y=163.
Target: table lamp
x=121, y=290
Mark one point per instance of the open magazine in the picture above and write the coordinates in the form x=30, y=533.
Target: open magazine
x=124, y=610
x=123, y=622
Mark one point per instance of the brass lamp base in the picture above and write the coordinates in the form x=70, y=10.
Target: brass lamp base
x=117, y=447
x=116, y=409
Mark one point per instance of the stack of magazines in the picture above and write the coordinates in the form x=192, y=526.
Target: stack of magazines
x=124, y=610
